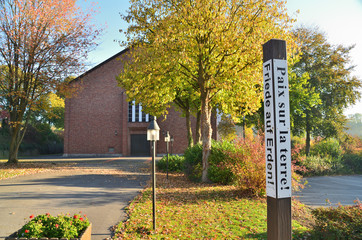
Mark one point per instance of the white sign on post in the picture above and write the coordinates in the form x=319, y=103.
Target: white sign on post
x=282, y=117
x=277, y=129
x=269, y=129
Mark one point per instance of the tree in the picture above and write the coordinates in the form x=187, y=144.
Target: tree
x=189, y=106
x=42, y=41
x=227, y=129
x=300, y=98
x=354, y=124
x=213, y=47
x=330, y=76
x=50, y=110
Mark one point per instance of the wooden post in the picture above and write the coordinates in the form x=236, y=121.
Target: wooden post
x=277, y=140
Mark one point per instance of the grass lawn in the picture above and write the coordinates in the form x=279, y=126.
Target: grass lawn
x=187, y=210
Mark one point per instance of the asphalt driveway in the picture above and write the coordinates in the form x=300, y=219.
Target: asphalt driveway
x=100, y=188
x=331, y=191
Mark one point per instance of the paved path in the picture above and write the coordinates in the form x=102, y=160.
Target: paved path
x=102, y=197
x=337, y=189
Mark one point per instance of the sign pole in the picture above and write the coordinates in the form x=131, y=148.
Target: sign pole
x=153, y=135
x=153, y=185
x=167, y=140
x=167, y=160
x=277, y=140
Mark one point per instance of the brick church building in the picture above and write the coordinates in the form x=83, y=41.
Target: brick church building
x=99, y=121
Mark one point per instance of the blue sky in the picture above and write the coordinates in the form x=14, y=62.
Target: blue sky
x=340, y=20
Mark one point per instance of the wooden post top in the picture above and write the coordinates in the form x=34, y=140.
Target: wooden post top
x=274, y=49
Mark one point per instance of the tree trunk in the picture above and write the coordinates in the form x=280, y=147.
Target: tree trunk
x=198, y=127
x=206, y=134
x=17, y=133
x=307, y=138
x=189, y=129
x=14, y=145
x=244, y=127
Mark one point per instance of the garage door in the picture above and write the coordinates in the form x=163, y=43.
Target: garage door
x=139, y=145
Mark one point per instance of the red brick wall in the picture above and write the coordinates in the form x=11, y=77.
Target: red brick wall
x=176, y=125
x=93, y=119
x=96, y=118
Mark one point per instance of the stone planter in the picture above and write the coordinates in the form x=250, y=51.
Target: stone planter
x=85, y=236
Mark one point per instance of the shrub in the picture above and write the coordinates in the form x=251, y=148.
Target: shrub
x=298, y=142
x=350, y=144
x=343, y=222
x=298, y=168
x=218, y=172
x=241, y=163
x=248, y=165
x=353, y=162
x=48, y=226
x=317, y=165
x=39, y=139
x=4, y=140
x=329, y=157
x=347, y=164
x=330, y=152
x=43, y=138
x=193, y=162
x=175, y=163
x=327, y=148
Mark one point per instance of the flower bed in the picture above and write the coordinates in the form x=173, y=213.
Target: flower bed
x=49, y=227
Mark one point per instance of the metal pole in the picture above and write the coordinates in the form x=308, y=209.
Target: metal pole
x=172, y=145
x=154, y=184
x=167, y=160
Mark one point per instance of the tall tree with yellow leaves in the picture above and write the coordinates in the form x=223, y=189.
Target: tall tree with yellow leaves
x=213, y=47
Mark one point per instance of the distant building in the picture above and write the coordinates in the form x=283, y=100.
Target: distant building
x=99, y=121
